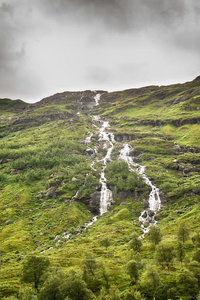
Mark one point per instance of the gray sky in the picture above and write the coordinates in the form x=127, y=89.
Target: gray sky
x=49, y=46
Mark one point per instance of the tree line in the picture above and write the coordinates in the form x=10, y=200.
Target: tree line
x=42, y=281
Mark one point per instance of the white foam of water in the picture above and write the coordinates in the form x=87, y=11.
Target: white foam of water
x=106, y=196
x=147, y=216
x=97, y=99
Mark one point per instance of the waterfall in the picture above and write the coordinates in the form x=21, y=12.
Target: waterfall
x=106, y=196
x=97, y=99
x=147, y=216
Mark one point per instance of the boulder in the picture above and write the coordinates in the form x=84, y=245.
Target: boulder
x=8, y=222
x=51, y=192
x=74, y=179
x=89, y=151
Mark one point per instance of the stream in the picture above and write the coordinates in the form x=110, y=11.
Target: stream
x=106, y=196
x=147, y=216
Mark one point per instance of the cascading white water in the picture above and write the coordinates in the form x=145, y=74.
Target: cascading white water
x=147, y=216
x=97, y=99
x=106, y=196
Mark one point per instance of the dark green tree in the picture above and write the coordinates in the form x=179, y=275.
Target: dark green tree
x=196, y=255
x=89, y=264
x=183, y=233
x=113, y=293
x=103, y=294
x=76, y=289
x=132, y=270
x=135, y=243
x=180, y=253
x=33, y=269
x=105, y=242
x=187, y=284
x=165, y=255
x=196, y=239
x=105, y=277
x=132, y=295
x=154, y=235
x=194, y=267
x=27, y=293
x=52, y=289
x=92, y=273
x=172, y=293
x=152, y=280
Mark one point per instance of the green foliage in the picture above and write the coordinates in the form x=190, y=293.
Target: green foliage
x=196, y=255
x=154, y=235
x=132, y=295
x=52, y=289
x=165, y=255
x=75, y=288
x=180, y=253
x=194, y=267
x=33, y=269
x=113, y=294
x=183, y=233
x=151, y=281
x=132, y=270
x=196, y=239
x=27, y=293
x=119, y=178
x=105, y=242
x=136, y=243
x=187, y=284
x=10, y=298
x=89, y=264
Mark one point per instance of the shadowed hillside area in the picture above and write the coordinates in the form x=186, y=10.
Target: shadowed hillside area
x=80, y=217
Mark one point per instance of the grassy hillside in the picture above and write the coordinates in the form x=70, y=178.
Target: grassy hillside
x=44, y=161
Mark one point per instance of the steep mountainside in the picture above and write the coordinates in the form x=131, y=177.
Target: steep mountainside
x=70, y=181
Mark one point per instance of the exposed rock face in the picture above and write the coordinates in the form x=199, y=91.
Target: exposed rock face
x=92, y=201
x=88, y=103
x=40, y=119
x=125, y=195
x=125, y=137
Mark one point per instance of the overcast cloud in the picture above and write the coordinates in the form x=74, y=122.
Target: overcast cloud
x=49, y=46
